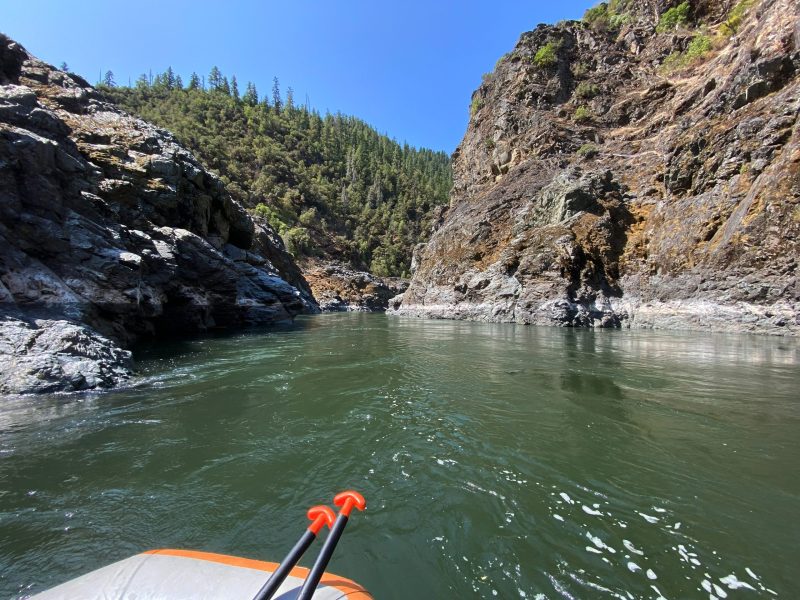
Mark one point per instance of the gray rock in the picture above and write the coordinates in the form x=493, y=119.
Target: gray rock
x=110, y=231
x=57, y=356
x=18, y=94
x=340, y=288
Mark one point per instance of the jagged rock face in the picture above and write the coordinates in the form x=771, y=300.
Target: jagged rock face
x=675, y=203
x=110, y=230
x=339, y=288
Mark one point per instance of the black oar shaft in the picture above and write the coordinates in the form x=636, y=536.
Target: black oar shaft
x=279, y=575
x=311, y=582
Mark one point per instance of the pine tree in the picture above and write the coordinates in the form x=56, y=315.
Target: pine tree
x=214, y=78
x=276, y=95
x=375, y=194
x=64, y=67
x=108, y=79
x=225, y=87
x=250, y=95
x=178, y=82
x=169, y=79
x=194, y=81
x=290, y=99
x=234, y=88
x=142, y=82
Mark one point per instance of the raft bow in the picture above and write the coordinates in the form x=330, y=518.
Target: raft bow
x=170, y=574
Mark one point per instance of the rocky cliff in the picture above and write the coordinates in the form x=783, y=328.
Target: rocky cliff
x=110, y=231
x=618, y=173
x=338, y=287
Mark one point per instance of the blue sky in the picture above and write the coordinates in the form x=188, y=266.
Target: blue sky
x=406, y=67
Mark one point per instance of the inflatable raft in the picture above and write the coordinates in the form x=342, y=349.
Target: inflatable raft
x=191, y=575
x=187, y=574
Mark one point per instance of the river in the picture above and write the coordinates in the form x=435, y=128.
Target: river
x=497, y=460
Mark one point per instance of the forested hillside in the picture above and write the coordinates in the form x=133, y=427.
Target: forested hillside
x=331, y=185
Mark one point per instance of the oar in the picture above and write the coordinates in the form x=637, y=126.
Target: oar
x=319, y=516
x=347, y=501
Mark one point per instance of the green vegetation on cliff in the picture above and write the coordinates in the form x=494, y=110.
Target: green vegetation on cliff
x=735, y=17
x=547, y=55
x=607, y=16
x=697, y=49
x=330, y=185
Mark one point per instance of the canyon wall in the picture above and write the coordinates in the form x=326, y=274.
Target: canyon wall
x=625, y=176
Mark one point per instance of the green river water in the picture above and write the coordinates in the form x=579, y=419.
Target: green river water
x=497, y=460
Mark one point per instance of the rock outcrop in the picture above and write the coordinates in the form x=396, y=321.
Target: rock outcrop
x=599, y=186
x=338, y=287
x=110, y=231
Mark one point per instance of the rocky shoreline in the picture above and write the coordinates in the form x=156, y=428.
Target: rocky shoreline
x=110, y=231
x=677, y=315
x=339, y=288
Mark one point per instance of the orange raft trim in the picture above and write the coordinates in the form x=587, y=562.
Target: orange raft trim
x=349, y=588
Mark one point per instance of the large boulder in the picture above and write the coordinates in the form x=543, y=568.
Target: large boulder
x=56, y=355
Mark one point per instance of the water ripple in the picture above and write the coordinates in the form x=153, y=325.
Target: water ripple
x=498, y=461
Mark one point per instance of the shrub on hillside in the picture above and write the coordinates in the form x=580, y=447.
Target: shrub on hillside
x=734, y=20
x=598, y=17
x=582, y=114
x=581, y=69
x=310, y=217
x=586, y=90
x=607, y=16
x=547, y=55
x=273, y=217
x=297, y=241
x=475, y=105
x=618, y=20
x=675, y=17
x=700, y=45
x=620, y=6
